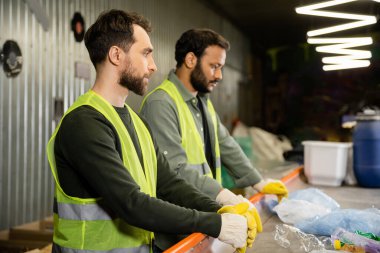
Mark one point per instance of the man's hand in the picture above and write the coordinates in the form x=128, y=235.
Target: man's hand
x=226, y=197
x=252, y=209
x=234, y=230
x=252, y=219
x=271, y=186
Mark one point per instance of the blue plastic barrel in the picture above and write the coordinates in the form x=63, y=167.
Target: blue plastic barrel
x=366, y=141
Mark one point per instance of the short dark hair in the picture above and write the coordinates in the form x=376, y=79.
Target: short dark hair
x=196, y=41
x=112, y=28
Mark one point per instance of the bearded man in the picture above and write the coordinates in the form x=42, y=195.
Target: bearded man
x=189, y=131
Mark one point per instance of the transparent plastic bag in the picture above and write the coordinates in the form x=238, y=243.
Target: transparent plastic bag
x=293, y=211
x=296, y=241
x=315, y=196
x=305, y=204
x=367, y=220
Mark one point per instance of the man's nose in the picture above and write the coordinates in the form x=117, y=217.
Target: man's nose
x=218, y=74
x=152, y=65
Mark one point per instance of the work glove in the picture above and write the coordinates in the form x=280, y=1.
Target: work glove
x=252, y=209
x=271, y=186
x=251, y=217
x=226, y=197
x=234, y=230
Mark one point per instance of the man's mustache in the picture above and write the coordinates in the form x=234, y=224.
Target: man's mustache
x=215, y=81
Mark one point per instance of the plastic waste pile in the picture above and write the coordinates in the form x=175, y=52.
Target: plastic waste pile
x=355, y=242
x=320, y=224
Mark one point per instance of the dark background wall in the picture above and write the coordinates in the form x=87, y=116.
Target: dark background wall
x=304, y=102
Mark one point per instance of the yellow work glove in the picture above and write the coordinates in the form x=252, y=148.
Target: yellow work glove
x=270, y=186
x=252, y=209
x=251, y=216
x=228, y=198
x=240, y=208
x=253, y=221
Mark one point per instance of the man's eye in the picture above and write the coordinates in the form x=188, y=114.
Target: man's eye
x=146, y=53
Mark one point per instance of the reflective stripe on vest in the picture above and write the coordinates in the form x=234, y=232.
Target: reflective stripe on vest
x=83, y=225
x=81, y=212
x=191, y=140
x=143, y=248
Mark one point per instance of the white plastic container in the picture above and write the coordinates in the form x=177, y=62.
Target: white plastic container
x=326, y=162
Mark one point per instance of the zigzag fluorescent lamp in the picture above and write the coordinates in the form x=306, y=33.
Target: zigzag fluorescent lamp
x=349, y=58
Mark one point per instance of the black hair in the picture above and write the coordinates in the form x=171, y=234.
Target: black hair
x=196, y=41
x=112, y=28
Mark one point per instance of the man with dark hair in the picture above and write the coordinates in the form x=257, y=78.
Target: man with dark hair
x=111, y=180
x=189, y=131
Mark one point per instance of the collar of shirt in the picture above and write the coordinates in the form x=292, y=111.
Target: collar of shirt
x=186, y=95
x=124, y=112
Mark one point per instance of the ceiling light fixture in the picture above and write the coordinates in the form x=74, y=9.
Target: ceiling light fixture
x=350, y=58
x=363, y=20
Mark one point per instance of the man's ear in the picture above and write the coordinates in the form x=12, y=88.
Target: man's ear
x=114, y=55
x=190, y=60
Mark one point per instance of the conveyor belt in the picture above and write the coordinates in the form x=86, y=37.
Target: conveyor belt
x=346, y=196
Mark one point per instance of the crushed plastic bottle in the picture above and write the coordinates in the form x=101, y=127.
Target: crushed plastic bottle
x=369, y=245
x=368, y=235
x=348, y=247
x=297, y=241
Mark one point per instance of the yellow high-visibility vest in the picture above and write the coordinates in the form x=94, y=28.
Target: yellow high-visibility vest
x=191, y=139
x=81, y=224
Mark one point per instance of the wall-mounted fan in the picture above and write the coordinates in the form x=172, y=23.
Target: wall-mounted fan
x=11, y=58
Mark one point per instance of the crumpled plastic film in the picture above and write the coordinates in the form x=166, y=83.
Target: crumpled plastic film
x=294, y=239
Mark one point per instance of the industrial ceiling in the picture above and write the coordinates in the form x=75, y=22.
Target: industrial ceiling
x=274, y=23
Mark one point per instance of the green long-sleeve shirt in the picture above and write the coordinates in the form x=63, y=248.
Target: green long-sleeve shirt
x=161, y=113
x=89, y=165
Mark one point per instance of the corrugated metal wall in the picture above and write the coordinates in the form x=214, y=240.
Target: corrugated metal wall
x=27, y=101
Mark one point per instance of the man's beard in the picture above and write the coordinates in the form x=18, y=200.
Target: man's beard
x=198, y=79
x=133, y=83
